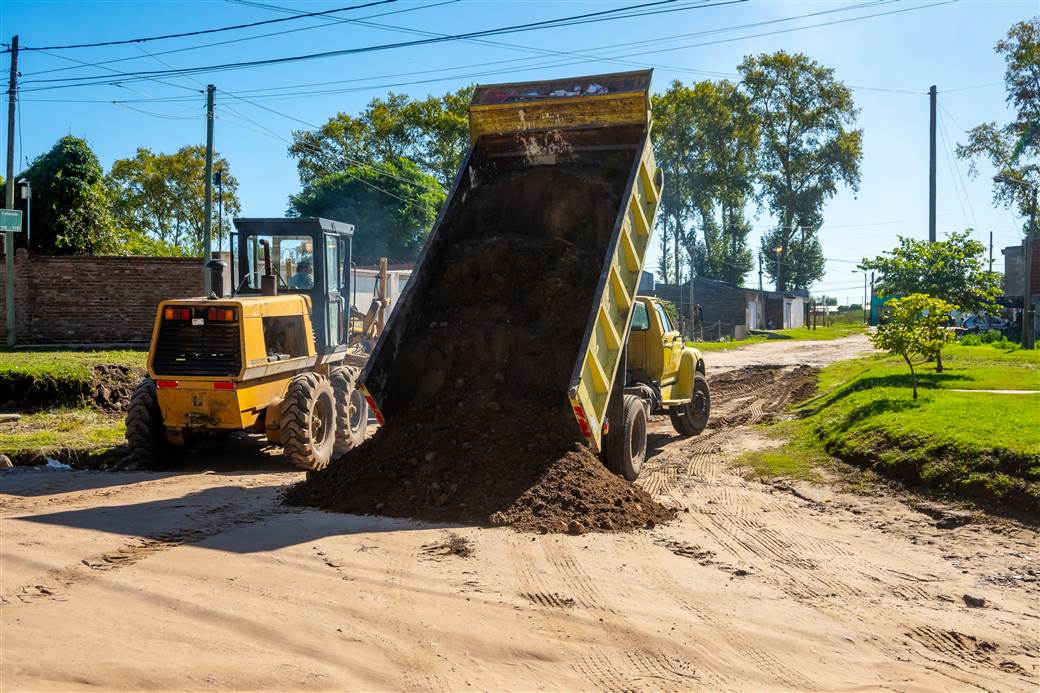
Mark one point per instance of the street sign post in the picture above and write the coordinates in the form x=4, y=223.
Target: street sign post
x=10, y=220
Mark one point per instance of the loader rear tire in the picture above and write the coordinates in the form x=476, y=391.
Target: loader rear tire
x=626, y=440
x=692, y=418
x=351, y=410
x=145, y=432
x=308, y=425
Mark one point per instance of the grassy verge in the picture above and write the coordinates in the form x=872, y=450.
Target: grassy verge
x=978, y=445
x=53, y=378
x=842, y=327
x=61, y=434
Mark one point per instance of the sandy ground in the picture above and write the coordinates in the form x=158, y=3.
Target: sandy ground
x=202, y=580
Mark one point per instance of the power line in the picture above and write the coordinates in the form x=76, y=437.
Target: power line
x=230, y=41
x=260, y=93
x=591, y=17
x=209, y=31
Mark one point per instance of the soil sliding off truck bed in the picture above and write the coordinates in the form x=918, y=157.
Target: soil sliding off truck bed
x=566, y=162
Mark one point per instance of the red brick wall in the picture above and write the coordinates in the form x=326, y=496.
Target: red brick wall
x=86, y=299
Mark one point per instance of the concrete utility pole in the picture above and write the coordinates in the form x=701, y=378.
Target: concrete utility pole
x=931, y=165
x=865, y=320
x=990, y=251
x=1029, y=313
x=12, y=99
x=207, y=244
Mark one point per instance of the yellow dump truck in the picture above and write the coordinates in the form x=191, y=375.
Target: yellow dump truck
x=631, y=361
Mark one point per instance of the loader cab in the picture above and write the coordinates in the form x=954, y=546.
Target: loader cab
x=309, y=256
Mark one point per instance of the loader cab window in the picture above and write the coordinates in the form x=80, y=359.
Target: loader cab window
x=640, y=318
x=292, y=261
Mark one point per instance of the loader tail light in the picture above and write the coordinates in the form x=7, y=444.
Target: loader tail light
x=177, y=313
x=583, y=421
x=223, y=385
x=220, y=315
x=166, y=384
x=374, y=408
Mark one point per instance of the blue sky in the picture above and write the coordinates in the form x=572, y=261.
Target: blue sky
x=891, y=60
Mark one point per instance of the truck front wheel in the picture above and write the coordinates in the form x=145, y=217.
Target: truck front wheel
x=692, y=418
x=626, y=441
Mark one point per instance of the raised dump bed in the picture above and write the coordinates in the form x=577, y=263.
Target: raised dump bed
x=528, y=279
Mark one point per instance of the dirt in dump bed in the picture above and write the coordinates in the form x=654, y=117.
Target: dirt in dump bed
x=482, y=431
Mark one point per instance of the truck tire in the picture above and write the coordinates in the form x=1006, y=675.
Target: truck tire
x=308, y=425
x=692, y=418
x=145, y=433
x=351, y=410
x=626, y=440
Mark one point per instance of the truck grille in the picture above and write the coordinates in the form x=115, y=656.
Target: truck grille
x=186, y=349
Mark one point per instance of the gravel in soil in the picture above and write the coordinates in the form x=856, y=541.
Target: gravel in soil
x=480, y=430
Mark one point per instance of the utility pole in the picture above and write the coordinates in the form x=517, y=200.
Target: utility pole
x=1028, y=248
x=220, y=210
x=207, y=244
x=12, y=97
x=865, y=320
x=990, y=251
x=931, y=165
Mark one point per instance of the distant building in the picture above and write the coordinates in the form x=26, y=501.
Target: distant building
x=729, y=311
x=1014, y=283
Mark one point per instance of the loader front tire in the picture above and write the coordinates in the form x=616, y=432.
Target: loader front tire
x=691, y=418
x=626, y=440
x=351, y=410
x=308, y=425
x=145, y=432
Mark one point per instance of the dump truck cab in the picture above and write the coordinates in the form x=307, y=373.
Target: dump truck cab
x=658, y=357
x=266, y=359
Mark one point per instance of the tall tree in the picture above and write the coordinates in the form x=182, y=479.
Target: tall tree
x=433, y=133
x=706, y=140
x=1014, y=149
x=808, y=149
x=71, y=211
x=392, y=214
x=163, y=196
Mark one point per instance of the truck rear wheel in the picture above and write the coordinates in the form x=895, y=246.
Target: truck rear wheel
x=626, y=440
x=145, y=432
x=351, y=410
x=691, y=418
x=308, y=426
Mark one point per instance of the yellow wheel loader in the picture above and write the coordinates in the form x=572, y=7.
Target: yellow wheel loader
x=268, y=358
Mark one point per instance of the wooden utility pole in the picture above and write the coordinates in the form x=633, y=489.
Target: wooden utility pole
x=12, y=99
x=931, y=165
x=207, y=243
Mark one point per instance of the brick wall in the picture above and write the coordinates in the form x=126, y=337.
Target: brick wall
x=86, y=299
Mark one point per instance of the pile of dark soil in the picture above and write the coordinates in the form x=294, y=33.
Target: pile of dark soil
x=108, y=387
x=480, y=430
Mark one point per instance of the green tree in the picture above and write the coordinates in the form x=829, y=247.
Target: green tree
x=433, y=133
x=163, y=196
x=916, y=327
x=71, y=210
x=808, y=149
x=392, y=214
x=952, y=270
x=1014, y=149
x=706, y=140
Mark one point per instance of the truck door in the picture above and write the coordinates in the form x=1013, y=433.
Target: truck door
x=671, y=346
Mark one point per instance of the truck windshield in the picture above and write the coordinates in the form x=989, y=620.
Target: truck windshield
x=292, y=261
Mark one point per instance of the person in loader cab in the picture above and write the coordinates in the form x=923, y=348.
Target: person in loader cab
x=304, y=277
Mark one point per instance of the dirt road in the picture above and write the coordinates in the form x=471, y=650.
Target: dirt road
x=203, y=580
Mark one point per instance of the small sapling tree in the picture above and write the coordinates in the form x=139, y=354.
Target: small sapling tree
x=916, y=327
